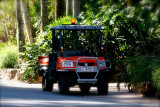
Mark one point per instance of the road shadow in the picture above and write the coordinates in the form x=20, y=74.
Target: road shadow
x=27, y=96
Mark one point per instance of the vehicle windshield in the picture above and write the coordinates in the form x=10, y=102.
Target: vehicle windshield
x=79, y=42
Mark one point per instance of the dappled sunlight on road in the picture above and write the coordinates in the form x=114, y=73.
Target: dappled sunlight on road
x=15, y=93
x=69, y=103
x=15, y=83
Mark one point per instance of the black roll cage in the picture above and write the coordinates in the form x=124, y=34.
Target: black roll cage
x=72, y=28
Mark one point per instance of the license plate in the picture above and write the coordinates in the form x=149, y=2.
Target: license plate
x=86, y=69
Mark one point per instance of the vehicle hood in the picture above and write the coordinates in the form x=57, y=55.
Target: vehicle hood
x=75, y=58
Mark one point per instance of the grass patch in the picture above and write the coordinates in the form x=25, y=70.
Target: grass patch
x=8, y=56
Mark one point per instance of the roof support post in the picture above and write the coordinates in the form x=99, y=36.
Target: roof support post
x=60, y=38
x=100, y=41
x=61, y=47
x=53, y=37
x=100, y=38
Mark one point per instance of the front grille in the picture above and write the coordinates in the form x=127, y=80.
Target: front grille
x=84, y=64
x=87, y=75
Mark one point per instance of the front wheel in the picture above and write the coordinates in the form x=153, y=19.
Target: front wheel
x=102, y=86
x=63, y=83
x=46, y=84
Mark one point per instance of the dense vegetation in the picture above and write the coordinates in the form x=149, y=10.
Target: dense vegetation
x=131, y=38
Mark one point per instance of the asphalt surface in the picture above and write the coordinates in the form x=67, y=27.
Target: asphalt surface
x=17, y=94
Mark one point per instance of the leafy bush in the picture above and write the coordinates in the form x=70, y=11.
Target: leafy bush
x=30, y=69
x=156, y=73
x=8, y=56
x=140, y=68
x=30, y=63
x=143, y=73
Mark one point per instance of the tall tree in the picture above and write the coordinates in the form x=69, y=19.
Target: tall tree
x=129, y=2
x=27, y=22
x=76, y=7
x=20, y=33
x=59, y=8
x=132, y=2
x=44, y=15
x=68, y=7
x=5, y=21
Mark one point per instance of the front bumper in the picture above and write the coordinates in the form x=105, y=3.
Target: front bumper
x=87, y=81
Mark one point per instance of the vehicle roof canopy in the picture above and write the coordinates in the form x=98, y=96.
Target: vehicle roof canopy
x=75, y=27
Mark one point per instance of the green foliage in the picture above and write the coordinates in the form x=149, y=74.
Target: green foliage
x=141, y=69
x=132, y=34
x=30, y=63
x=129, y=30
x=156, y=73
x=8, y=56
x=35, y=13
x=30, y=69
x=51, y=10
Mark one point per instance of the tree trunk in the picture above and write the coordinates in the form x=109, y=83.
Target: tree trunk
x=59, y=8
x=27, y=22
x=13, y=23
x=132, y=2
x=76, y=8
x=68, y=7
x=44, y=15
x=20, y=33
x=129, y=3
x=5, y=21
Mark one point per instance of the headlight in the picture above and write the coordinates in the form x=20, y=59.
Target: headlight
x=44, y=68
x=67, y=64
x=102, y=63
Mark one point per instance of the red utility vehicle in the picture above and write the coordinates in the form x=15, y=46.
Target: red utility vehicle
x=76, y=59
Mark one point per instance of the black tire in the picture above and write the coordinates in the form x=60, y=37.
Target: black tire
x=46, y=84
x=102, y=85
x=63, y=83
x=84, y=89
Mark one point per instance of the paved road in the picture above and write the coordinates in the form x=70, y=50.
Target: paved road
x=15, y=94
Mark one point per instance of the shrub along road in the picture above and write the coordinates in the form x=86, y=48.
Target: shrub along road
x=14, y=93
